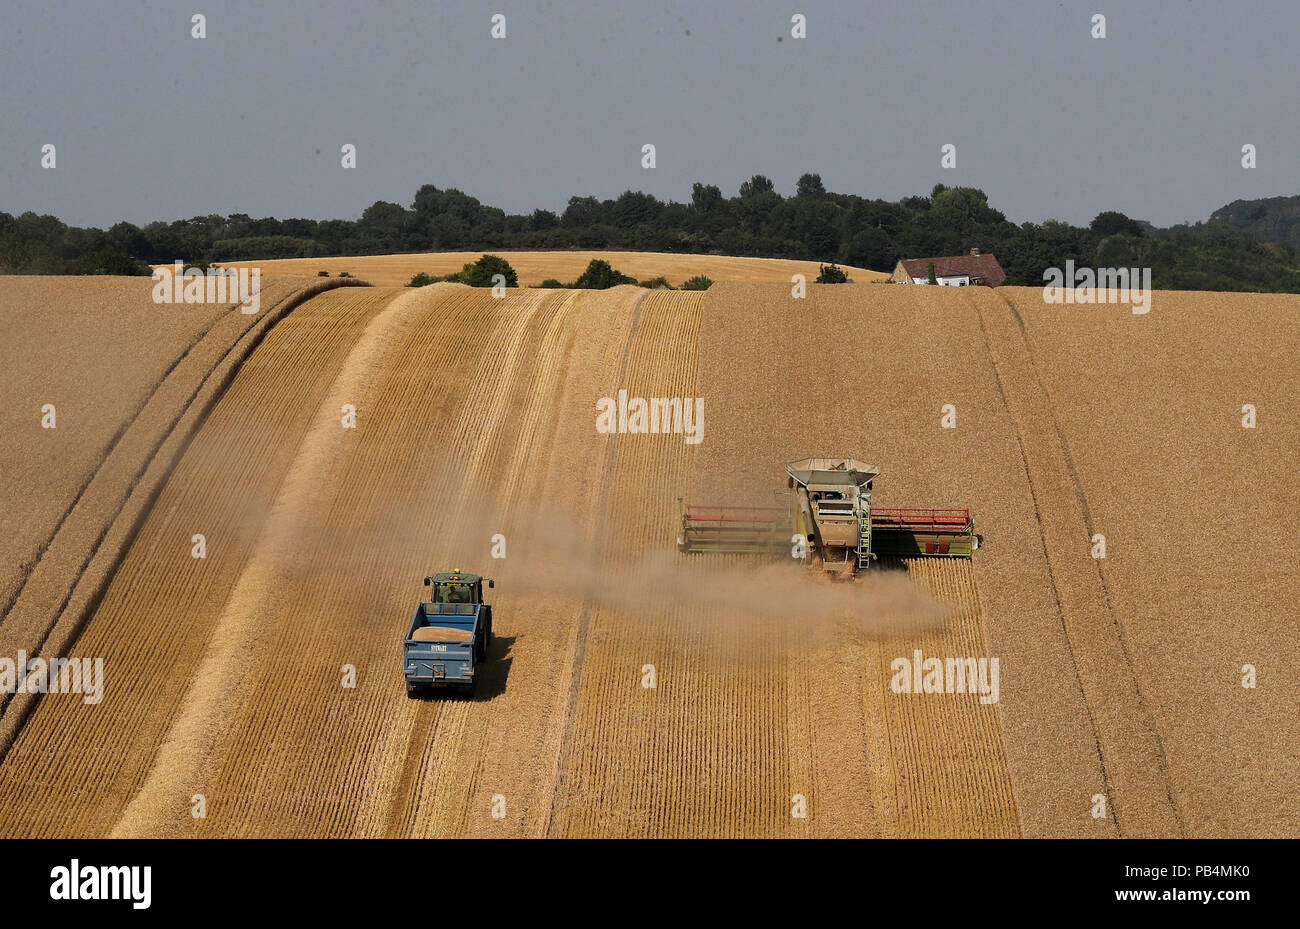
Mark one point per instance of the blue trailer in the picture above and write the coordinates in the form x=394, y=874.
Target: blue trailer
x=450, y=635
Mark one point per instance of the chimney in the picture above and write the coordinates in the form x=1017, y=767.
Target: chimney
x=975, y=252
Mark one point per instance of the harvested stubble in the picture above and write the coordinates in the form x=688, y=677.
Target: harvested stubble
x=80, y=349
x=52, y=596
x=163, y=613
x=475, y=416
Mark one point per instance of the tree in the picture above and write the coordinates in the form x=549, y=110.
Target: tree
x=869, y=248
x=813, y=222
x=482, y=273
x=698, y=282
x=758, y=184
x=383, y=217
x=129, y=239
x=542, y=220
x=112, y=261
x=581, y=211
x=446, y=232
x=832, y=274
x=756, y=202
x=705, y=197
x=810, y=185
x=601, y=276
x=633, y=208
x=1111, y=222
x=419, y=280
x=932, y=279
x=430, y=202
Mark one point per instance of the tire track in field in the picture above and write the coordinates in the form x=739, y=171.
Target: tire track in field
x=301, y=744
x=484, y=418
x=563, y=758
x=1130, y=752
x=537, y=416
x=715, y=746
x=76, y=562
x=482, y=402
x=608, y=708
x=74, y=767
x=258, y=593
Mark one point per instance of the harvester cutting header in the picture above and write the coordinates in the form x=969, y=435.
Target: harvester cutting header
x=831, y=522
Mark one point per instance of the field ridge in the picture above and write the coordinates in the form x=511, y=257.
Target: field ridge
x=51, y=605
x=1134, y=767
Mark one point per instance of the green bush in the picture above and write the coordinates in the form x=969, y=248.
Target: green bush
x=601, y=276
x=699, y=282
x=422, y=280
x=344, y=274
x=322, y=274
x=481, y=273
x=106, y=261
x=832, y=274
x=551, y=282
x=656, y=283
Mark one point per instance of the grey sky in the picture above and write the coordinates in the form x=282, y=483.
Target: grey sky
x=152, y=124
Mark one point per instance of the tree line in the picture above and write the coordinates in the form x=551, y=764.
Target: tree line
x=814, y=224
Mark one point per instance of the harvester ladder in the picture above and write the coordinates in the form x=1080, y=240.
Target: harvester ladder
x=864, y=539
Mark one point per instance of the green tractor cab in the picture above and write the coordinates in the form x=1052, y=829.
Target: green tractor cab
x=456, y=587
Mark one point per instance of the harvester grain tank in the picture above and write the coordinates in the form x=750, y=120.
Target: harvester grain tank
x=449, y=636
x=830, y=522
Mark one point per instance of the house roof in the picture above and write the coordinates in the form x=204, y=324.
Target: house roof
x=983, y=266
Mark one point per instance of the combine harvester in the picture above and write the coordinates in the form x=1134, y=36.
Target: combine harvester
x=831, y=524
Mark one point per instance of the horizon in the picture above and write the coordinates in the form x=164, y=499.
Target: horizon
x=250, y=119
x=409, y=205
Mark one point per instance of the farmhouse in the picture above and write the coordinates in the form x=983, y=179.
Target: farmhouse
x=958, y=271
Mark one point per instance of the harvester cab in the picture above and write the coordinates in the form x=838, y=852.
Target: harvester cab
x=832, y=499
x=830, y=523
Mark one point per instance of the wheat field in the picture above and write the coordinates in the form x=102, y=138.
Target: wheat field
x=634, y=691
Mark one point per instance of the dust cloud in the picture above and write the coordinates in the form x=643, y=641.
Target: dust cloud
x=552, y=556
